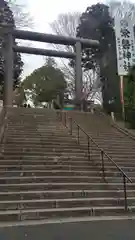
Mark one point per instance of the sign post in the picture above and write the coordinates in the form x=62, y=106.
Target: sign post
x=122, y=95
x=124, y=34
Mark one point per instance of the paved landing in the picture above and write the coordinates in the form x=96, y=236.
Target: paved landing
x=98, y=230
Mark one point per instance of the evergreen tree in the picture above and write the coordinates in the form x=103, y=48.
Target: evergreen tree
x=6, y=17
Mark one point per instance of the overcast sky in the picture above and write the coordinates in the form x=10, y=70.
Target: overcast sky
x=43, y=13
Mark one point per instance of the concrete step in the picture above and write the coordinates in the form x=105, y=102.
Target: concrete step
x=56, y=140
x=39, y=144
x=64, y=203
x=124, y=141
x=105, y=133
x=11, y=143
x=33, y=127
x=99, y=134
x=118, y=159
x=41, y=151
x=46, y=130
x=33, y=115
x=32, y=122
x=60, y=194
x=31, y=140
x=72, y=141
x=44, y=160
x=27, y=152
x=38, y=137
x=73, y=144
x=34, y=154
x=120, y=163
x=115, y=143
x=39, y=140
x=44, y=157
x=64, y=186
x=56, y=161
x=17, y=173
x=46, y=127
x=24, y=119
x=109, y=140
x=41, y=172
x=31, y=166
x=52, y=133
x=42, y=148
x=34, y=214
x=119, y=147
x=59, y=148
x=57, y=179
x=121, y=154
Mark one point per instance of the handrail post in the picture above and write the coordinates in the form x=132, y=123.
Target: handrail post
x=125, y=193
x=71, y=126
x=65, y=119
x=60, y=115
x=78, y=134
x=103, y=164
x=88, y=147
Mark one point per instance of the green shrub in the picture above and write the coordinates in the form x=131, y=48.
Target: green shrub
x=129, y=97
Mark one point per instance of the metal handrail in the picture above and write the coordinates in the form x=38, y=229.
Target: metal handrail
x=123, y=131
x=102, y=151
x=115, y=125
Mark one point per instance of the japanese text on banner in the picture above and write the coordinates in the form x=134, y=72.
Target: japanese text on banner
x=125, y=45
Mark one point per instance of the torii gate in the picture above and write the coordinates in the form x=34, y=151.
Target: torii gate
x=11, y=34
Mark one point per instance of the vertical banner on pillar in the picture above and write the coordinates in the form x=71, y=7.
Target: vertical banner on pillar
x=124, y=34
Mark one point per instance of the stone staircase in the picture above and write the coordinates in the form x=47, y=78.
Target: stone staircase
x=46, y=175
x=119, y=146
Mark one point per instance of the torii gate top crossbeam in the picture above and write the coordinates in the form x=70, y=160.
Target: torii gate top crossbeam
x=50, y=38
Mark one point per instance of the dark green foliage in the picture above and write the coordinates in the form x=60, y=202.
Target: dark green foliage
x=6, y=16
x=129, y=97
x=46, y=83
x=96, y=23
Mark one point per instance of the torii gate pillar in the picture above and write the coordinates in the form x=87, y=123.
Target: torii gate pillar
x=9, y=66
x=78, y=72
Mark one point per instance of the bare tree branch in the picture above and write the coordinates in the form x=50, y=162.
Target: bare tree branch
x=66, y=24
x=126, y=8
x=21, y=15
